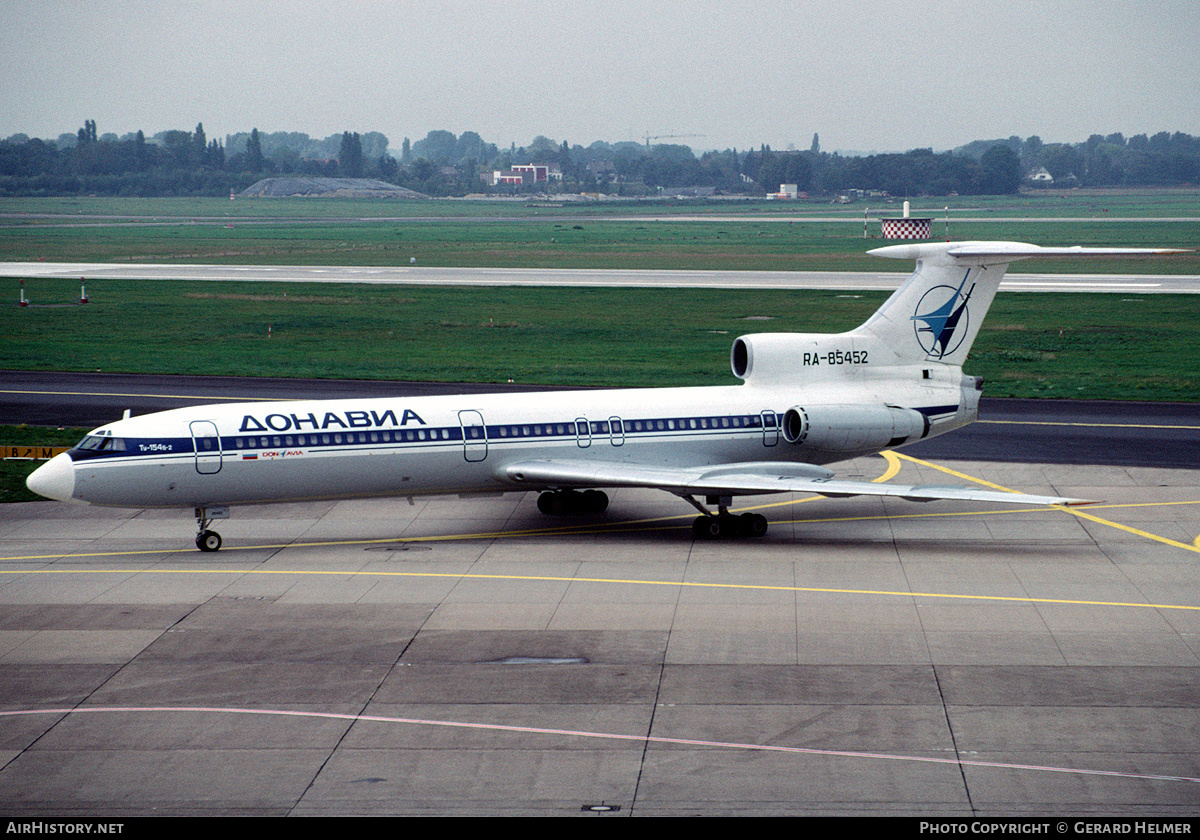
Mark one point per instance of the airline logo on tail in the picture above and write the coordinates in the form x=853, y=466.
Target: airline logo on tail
x=943, y=311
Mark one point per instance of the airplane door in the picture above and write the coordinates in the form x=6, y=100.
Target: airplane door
x=770, y=427
x=208, y=446
x=474, y=435
x=583, y=432
x=616, y=431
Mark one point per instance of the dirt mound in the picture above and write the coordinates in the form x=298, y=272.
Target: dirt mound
x=327, y=188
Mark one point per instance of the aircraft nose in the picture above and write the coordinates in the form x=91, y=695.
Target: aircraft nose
x=54, y=479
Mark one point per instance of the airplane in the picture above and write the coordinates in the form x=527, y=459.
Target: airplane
x=806, y=400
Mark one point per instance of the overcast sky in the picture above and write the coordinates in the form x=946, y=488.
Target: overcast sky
x=867, y=76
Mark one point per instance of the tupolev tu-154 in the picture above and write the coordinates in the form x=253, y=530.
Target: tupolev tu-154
x=806, y=401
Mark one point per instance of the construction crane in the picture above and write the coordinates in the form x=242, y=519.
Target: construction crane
x=650, y=137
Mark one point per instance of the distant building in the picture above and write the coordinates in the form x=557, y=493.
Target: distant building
x=1041, y=176
x=542, y=172
x=527, y=173
x=508, y=176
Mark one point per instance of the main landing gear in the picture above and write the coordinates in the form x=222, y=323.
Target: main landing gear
x=572, y=502
x=208, y=540
x=723, y=524
x=728, y=526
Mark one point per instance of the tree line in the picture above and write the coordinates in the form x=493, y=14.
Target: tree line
x=180, y=162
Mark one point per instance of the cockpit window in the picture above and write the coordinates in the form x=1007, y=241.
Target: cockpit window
x=98, y=443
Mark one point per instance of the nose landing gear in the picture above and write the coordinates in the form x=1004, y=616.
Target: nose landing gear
x=208, y=540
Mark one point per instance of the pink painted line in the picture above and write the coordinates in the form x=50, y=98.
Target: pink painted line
x=499, y=727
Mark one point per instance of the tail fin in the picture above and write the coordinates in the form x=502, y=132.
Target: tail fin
x=935, y=315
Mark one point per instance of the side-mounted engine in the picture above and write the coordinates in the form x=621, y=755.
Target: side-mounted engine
x=852, y=428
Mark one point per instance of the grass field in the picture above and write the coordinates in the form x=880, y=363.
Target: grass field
x=1098, y=346
x=647, y=235
x=1102, y=346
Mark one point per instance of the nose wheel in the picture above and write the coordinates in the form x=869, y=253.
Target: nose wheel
x=208, y=540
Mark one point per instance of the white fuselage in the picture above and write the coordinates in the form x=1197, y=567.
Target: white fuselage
x=291, y=451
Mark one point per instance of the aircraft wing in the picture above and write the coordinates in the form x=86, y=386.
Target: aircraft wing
x=748, y=479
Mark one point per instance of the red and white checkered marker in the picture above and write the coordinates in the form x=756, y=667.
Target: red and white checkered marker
x=911, y=228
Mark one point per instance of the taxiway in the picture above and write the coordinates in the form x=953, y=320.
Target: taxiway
x=470, y=656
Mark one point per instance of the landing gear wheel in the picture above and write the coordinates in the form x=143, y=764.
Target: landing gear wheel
x=595, y=501
x=208, y=541
x=727, y=526
x=550, y=504
x=754, y=525
x=571, y=502
x=709, y=527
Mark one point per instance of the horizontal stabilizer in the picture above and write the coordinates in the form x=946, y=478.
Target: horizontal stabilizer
x=1009, y=251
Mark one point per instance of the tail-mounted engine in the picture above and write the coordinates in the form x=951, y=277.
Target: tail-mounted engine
x=852, y=428
x=771, y=358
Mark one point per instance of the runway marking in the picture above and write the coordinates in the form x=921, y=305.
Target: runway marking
x=757, y=587
x=611, y=527
x=1091, y=425
x=894, y=465
x=611, y=736
x=1074, y=511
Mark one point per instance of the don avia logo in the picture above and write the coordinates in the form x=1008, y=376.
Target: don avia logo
x=941, y=318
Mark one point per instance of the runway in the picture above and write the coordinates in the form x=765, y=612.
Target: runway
x=472, y=657
x=633, y=278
